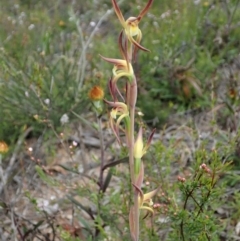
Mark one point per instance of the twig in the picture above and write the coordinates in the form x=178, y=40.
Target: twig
x=15, y=227
x=5, y=174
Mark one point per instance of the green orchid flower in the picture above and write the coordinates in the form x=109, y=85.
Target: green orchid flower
x=140, y=149
x=122, y=68
x=145, y=200
x=118, y=113
x=130, y=25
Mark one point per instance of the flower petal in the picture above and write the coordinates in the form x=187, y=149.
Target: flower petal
x=139, y=38
x=115, y=130
x=120, y=118
x=141, y=195
x=149, y=209
x=123, y=48
x=137, y=44
x=119, y=105
x=119, y=13
x=149, y=195
x=114, y=61
x=149, y=141
x=138, y=146
x=144, y=11
x=114, y=89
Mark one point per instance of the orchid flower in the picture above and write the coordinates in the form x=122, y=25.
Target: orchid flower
x=117, y=114
x=140, y=149
x=122, y=68
x=130, y=25
x=145, y=200
x=145, y=203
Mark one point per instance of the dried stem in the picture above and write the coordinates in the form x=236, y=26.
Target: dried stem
x=99, y=119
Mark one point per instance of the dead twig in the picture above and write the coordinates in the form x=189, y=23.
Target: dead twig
x=5, y=174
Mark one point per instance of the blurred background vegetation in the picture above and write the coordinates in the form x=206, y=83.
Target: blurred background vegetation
x=49, y=57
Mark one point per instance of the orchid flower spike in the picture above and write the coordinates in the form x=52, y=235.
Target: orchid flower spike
x=130, y=25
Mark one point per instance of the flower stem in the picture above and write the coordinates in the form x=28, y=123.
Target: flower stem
x=99, y=120
x=131, y=142
x=131, y=99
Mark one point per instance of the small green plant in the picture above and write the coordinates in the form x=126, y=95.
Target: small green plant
x=195, y=221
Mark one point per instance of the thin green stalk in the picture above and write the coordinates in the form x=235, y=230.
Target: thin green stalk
x=131, y=142
x=136, y=215
x=132, y=103
x=131, y=163
x=99, y=119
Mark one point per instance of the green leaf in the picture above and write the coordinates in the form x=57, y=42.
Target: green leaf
x=88, y=210
x=115, y=163
x=107, y=180
x=48, y=180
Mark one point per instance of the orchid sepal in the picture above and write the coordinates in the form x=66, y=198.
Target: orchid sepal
x=149, y=141
x=119, y=13
x=119, y=65
x=139, y=148
x=144, y=11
